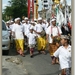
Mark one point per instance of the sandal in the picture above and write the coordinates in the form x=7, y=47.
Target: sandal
x=43, y=52
x=39, y=52
x=23, y=55
x=57, y=62
x=31, y=56
x=53, y=63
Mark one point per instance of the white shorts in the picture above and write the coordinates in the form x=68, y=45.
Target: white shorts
x=31, y=45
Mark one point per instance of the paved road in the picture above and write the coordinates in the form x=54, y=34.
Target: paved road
x=38, y=65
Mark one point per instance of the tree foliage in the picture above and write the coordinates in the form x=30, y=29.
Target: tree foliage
x=17, y=8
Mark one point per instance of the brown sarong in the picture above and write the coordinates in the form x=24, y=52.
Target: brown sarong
x=52, y=48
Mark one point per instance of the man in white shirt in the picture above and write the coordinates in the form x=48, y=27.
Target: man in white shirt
x=8, y=28
x=48, y=23
x=35, y=21
x=11, y=38
x=41, y=42
x=44, y=25
x=52, y=32
x=11, y=24
x=18, y=34
x=64, y=54
x=26, y=26
x=8, y=25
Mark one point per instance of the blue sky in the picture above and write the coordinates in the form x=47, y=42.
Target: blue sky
x=5, y=3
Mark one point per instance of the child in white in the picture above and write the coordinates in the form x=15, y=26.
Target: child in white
x=31, y=41
x=64, y=54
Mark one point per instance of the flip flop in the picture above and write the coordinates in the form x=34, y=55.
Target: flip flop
x=22, y=55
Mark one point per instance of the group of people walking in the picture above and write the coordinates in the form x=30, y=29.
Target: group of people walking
x=42, y=33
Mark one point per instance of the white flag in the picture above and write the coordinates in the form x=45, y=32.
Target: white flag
x=59, y=17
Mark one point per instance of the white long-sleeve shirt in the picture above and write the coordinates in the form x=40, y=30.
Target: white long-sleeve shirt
x=54, y=31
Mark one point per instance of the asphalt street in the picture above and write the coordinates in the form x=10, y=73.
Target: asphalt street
x=38, y=65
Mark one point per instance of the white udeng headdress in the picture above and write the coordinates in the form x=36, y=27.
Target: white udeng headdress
x=17, y=19
x=53, y=19
x=39, y=18
x=26, y=18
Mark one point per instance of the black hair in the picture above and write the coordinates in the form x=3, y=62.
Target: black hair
x=68, y=41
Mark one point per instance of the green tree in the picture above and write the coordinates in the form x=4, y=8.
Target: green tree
x=17, y=8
